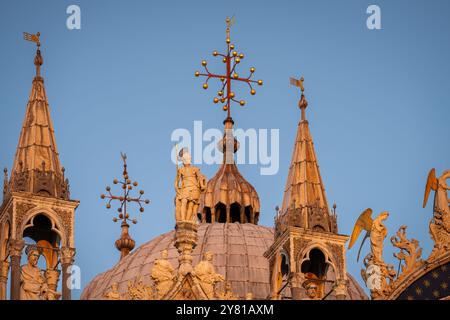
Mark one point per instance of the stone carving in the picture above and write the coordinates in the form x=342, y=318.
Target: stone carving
x=33, y=285
x=189, y=184
x=207, y=275
x=376, y=271
x=376, y=277
x=113, y=293
x=311, y=291
x=163, y=275
x=410, y=252
x=227, y=294
x=22, y=208
x=137, y=290
x=440, y=223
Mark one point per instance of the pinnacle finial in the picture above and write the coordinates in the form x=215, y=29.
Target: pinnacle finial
x=231, y=58
x=302, y=104
x=38, y=60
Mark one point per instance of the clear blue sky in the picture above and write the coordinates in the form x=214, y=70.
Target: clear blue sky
x=378, y=101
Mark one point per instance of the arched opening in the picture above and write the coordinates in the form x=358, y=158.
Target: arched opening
x=235, y=212
x=315, y=268
x=319, y=228
x=284, y=265
x=221, y=213
x=207, y=213
x=248, y=212
x=40, y=233
x=40, y=228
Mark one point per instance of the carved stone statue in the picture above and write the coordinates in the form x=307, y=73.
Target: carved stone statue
x=377, y=235
x=311, y=291
x=376, y=270
x=375, y=229
x=113, y=293
x=33, y=285
x=207, y=275
x=189, y=184
x=440, y=223
x=163, y=274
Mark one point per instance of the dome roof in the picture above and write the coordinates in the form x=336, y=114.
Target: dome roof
x=228, y=186
x=238, y=256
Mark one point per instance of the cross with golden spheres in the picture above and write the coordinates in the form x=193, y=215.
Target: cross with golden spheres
x=127, y=187
x=231, y=59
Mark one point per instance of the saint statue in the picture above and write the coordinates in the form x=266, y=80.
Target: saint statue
x=189, y=184
x=207, y=275
x=33, y=285
x=113, y=294
x=163, y=274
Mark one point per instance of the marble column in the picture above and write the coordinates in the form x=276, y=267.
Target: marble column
x=4, y=270
x=67, y=259
x=15, y=253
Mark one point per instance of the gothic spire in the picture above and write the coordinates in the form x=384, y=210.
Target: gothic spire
x=305, y=203
x=36, y=167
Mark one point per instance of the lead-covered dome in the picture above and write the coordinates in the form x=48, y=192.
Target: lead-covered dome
x=238, y=256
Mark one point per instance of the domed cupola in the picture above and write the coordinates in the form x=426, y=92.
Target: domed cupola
x=228, y=196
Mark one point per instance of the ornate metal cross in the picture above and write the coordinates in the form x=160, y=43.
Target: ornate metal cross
x=231, y=59
x=126, y=198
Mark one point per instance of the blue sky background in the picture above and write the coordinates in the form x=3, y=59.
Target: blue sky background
x=378, y=101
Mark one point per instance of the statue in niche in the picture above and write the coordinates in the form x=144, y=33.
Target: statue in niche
x=33, y=285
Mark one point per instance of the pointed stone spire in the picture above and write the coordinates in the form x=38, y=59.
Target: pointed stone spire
x=36, y=167
x=305, y=203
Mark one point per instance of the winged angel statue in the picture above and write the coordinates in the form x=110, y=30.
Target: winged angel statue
x=440, y=223
x=376, y=270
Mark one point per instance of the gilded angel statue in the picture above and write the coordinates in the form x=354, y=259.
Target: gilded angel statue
x=375, y=229
x=377, y=271
x=440, y=224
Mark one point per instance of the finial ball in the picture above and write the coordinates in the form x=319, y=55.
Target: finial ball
x=260, y=82
x=204, y=63
x=216, y=100
x=205, y=86
x=197, y=73
x=242, y=103
x=225, y=108
x=253, y=92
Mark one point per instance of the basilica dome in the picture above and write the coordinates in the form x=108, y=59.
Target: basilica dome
x=238, y=256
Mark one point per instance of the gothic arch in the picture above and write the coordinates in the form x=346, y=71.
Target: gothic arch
x=57, y=224
x=304, y=256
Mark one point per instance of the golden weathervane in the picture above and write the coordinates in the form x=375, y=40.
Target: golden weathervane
x=231, y=59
